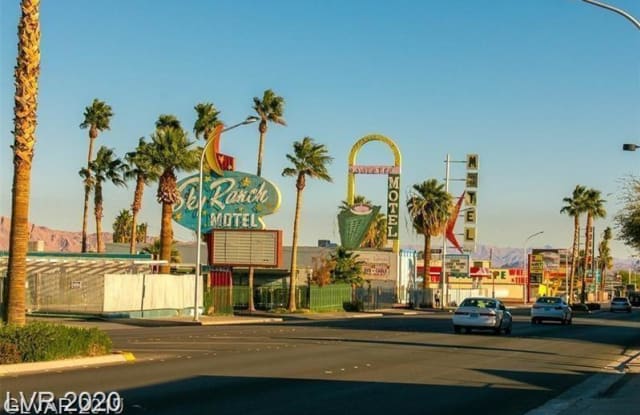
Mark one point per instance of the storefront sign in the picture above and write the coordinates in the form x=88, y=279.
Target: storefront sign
x=457, y=265
x=234, y=200
x=393, y=205
x=374, y=169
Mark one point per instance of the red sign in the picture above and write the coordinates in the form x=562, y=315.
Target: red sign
x=226, y=162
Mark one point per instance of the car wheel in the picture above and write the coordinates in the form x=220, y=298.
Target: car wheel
x=508, y=329
x=570, y=320
x=629, y=310
x=563, y=321
x=534, y=321
x=467, y=330
x=456, y=329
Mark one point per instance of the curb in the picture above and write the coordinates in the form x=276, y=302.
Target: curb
x=32, y=367
x=233, y=322
x=594, y=386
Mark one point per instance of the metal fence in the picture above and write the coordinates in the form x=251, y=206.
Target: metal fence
x=223, y=300
x=374, y=298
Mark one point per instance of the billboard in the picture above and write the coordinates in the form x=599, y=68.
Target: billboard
x=245, y=247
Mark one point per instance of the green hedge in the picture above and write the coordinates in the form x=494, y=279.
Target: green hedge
x=39, y=341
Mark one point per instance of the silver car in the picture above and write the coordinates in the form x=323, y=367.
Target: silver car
x=620, y=304
x=551, y=308
x=482, y=313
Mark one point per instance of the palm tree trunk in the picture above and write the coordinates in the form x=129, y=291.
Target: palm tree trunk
x=27, y=71
x=98, y=212
x=251, y=307
x=294, y=253
x=426, y=275
x=85, y=211
x=261, y=150
x=587, y=256
x=19, y=241
x=166, y=237
x=135, y=208
x=574, y=256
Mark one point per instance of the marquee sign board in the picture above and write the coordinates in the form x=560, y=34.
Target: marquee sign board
x=246, y=248
x=233, y=200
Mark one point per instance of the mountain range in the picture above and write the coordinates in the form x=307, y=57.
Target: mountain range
x=69, y=241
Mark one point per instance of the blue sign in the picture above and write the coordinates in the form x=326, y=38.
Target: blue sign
x=234, y=200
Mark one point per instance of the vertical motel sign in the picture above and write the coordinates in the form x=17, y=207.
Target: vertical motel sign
x=471, y=195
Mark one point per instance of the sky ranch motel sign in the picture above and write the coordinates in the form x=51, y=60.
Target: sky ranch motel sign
x=233, y=200
x=393, y=182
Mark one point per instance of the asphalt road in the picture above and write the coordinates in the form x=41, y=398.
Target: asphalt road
x=393, y=364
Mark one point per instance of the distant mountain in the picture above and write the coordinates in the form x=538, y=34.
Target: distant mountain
x=54, y=240
x=502, y=257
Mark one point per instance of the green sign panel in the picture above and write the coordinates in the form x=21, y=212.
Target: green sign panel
x=354, y=224
x=234, y=200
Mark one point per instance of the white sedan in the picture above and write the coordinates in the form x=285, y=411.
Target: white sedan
x=482, y=313
x=551, y=308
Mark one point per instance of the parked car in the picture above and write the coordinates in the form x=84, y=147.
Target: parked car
x=620, y=304
x=482, y=313
x=551, y=309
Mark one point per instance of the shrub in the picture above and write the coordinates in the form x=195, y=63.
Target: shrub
x=593, y=306
x=9, y=353
x=579, y=307
x=357, y=306
x=39, y=341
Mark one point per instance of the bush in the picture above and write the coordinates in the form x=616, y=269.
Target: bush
x=9, y=353
x=357, y=306
x=41, y=341
x=593, y=306
x=579, y=307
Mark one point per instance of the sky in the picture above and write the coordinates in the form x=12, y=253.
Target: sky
x=544, y=91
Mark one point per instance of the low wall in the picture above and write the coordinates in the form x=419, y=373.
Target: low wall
x=137, y=294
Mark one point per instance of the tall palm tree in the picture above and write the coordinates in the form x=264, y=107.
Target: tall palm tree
x=142, y=169
x=270, y=109
x=97, y=117
x=206, y=121
x=27, y=71
x=154, y=249
x=429, y=207
x=308, y=159
x=594, y=207
x=106, y=167
x=171, y=151
x=605, y=260
x=574, y=207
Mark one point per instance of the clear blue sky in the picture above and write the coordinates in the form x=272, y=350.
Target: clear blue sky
x=545, y=91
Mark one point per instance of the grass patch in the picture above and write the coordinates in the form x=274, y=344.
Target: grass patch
x=40, y=341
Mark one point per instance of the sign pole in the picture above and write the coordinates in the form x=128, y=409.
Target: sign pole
x=443, y=268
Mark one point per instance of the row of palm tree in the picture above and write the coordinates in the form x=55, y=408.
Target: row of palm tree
x=589, y=202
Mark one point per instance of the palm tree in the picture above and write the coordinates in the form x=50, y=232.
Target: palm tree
x=594, y=206
x=308, y=159
x=430, y=207
x=142, y=169
x=270, y=109
x=168, y=121
x=206, y=121
x=97, y=117
x=106, y=167
x=574, y=207
x=605, y=260
x=154, y=249
x=27, y=71
x=122, y=227
x=171, y=151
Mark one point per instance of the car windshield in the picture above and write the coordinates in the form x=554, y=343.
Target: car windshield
x=549, y=300
x=479, y=302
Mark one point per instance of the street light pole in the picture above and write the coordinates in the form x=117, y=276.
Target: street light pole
x=248, y=120
x=525, y=268
x=621, y=12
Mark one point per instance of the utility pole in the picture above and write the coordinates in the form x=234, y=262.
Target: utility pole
x=443, y=268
